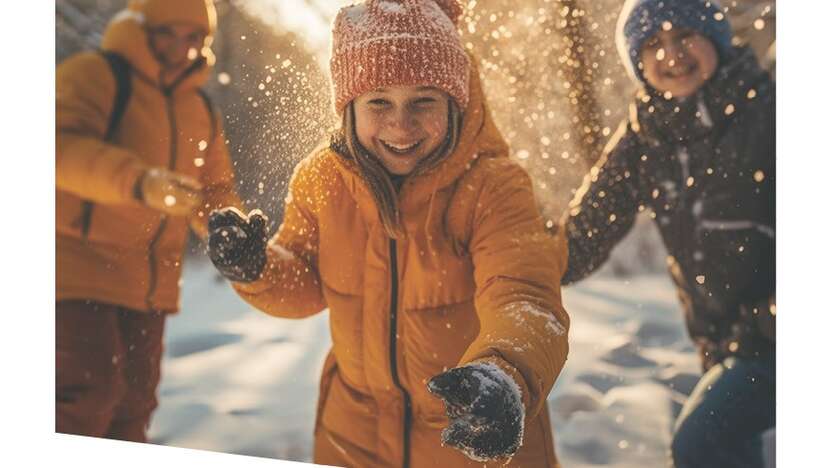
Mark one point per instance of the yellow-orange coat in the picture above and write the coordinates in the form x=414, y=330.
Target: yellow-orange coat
x=474, y=278
x=132, y=255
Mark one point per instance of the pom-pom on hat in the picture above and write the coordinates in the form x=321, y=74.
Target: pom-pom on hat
x=380, y=43
x=641, y=19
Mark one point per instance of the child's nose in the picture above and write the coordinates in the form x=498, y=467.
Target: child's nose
x=402, y=120
x=674, y=50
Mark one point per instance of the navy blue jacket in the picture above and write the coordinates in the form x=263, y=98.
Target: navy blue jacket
x=705, y=168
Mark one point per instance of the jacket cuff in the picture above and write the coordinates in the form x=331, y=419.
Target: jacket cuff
x=134, y=171
x=137, y=188
x=265, y=282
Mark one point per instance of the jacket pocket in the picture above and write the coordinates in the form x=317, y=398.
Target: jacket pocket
x=436, y=276
x=85, y=218
x=72, y=215
x=330, y=369
x=346, y=412
x=434, y=341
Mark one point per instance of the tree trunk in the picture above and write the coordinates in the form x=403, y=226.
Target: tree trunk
x=577, y=66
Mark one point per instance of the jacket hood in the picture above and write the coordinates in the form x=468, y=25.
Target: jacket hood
x=479, y=138
x=125, y=35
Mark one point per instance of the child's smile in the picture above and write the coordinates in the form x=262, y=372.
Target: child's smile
x=401, y=149
x=679, y=70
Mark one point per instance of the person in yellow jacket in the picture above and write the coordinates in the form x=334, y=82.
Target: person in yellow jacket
x=125, y=196
x=423, y=239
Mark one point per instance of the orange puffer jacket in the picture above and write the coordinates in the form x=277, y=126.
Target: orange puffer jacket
x=474, y=278
x=130, y=255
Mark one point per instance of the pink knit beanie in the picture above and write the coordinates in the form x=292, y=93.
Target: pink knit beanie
x=382, y=43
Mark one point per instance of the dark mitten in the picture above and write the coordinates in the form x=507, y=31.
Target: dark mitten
x=237, y=243
x=485, y=408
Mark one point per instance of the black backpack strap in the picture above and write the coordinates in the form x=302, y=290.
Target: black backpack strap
x=212, y=114
x=121, y=73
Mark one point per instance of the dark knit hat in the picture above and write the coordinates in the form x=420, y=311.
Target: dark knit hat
x=641, y=19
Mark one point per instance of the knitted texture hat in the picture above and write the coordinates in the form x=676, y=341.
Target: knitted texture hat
x=641, y=19
x=382, y=43
x=156, y=12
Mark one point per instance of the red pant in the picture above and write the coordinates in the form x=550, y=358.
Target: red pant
x=107, y=361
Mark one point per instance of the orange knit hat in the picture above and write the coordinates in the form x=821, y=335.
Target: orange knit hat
x=156, y=12
x=382, y=43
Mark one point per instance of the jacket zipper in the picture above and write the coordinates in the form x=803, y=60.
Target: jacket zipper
x=169, y=100
x=394, y=305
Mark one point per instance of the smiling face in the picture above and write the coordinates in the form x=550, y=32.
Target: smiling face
x=678, y=61
x=176, y=45
x=402, y=125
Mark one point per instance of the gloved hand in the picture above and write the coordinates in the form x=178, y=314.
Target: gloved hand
x=237, y=243
x=171, y=193
x=485, y=408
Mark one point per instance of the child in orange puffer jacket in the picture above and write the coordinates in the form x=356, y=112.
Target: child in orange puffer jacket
x=423, y=239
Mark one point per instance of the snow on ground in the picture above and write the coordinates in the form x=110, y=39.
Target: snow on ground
x=238, y=381
x=629, y=366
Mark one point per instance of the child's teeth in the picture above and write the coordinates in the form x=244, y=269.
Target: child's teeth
x=401, y=147
x=680, y=71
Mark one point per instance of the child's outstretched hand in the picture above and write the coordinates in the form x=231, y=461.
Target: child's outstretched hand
x=237, y=243
x=484, y=406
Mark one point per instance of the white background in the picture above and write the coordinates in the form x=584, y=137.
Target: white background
x=27, y=250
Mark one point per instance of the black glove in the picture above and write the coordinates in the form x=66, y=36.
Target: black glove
x=485, y=409
x=237, y=243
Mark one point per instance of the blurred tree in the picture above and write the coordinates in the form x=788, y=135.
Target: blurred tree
x=578, y=66
x=554, y=82
x=79, y=24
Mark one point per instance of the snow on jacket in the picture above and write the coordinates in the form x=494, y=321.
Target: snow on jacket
x=131, y=255
x=474, y=278
x=705, y=168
